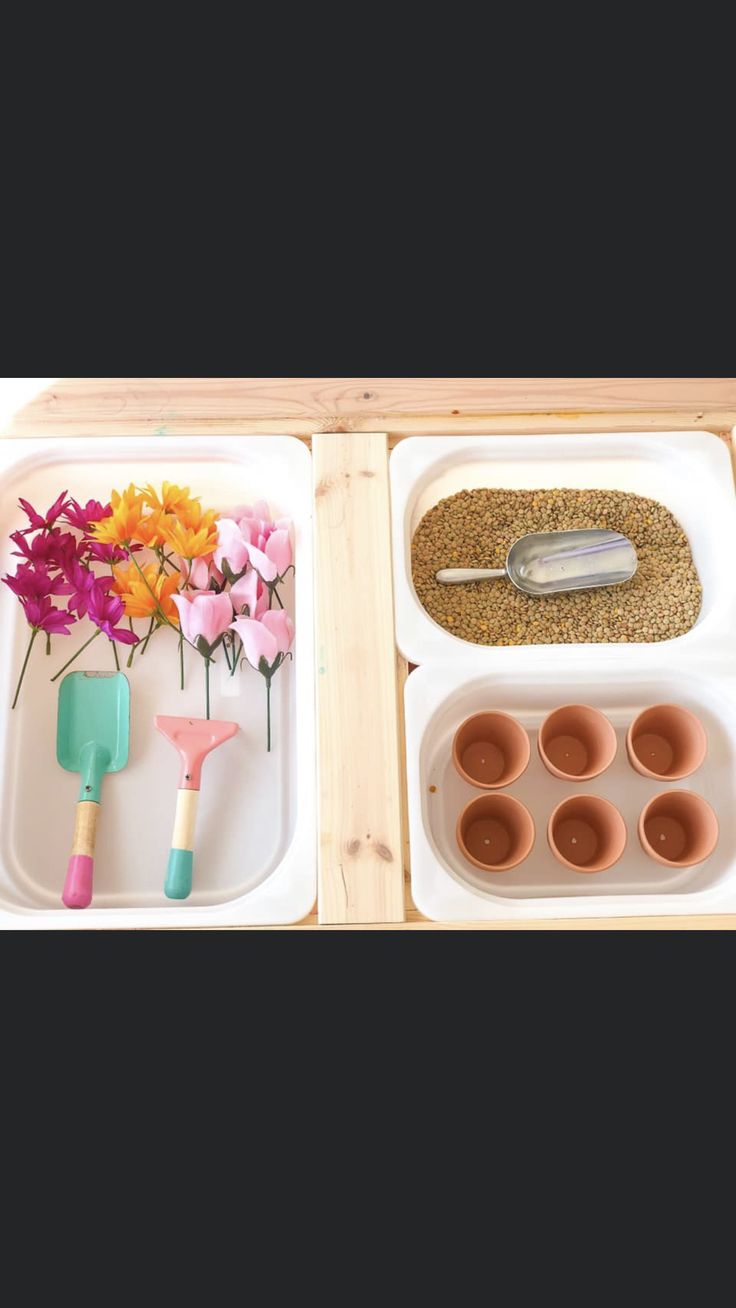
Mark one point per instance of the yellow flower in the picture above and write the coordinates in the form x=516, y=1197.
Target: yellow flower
x=121, y=525
x=148, y=531
x=136, y=593
x=172, y=500
x=191, y=533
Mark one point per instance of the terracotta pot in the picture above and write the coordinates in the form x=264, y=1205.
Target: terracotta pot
x=586, y=833
x=678, y=829
x=666, y=742
x=495, y=832
x=490, y=750
x=576, y=742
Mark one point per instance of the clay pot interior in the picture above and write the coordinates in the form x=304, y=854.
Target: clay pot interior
x=586, y=833
x=667, y=742
x=490, y=750
x=577, y=742
x=495, y=832
x=678, y=829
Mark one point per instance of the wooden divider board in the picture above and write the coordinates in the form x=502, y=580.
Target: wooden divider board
x=360, y=854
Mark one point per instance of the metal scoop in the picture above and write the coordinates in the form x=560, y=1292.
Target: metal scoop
x=547, y=562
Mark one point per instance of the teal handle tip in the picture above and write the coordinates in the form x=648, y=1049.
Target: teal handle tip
x=179, y=874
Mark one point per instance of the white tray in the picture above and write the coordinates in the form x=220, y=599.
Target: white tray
x=255, y=844
x=691, y=474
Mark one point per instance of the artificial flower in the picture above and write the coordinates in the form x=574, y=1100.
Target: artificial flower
x=204, y=618
x=265, y=567
x=145, y=595
x=105, y=610
x=34, y=582
x=148, y=532
x=121, y=524
x=172, y=499
x=245, y=593
x=198, y=574
x=232, y=546
x=43, y=616
x=82, y=516
x=36, y=520
x=53, y=548
x=267, y=640
x=82, y=582
x=193, y=539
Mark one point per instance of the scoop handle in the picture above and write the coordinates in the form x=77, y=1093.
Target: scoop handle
x=178, y=884
x=77, y=892
x=454, y=576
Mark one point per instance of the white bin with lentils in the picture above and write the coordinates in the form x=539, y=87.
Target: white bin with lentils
x=476, y=529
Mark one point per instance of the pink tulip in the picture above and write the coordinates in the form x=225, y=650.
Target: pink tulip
x=232, y=545
x=204, y=614
x=246, y=592
x=265, y=639
x=198, y=573
x=265, y=567
x=278, y=550
x=278, y=622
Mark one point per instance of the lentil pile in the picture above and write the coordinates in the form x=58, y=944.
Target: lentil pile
x=476, y=529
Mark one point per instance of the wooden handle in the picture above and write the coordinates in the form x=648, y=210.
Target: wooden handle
x=77, y=891
x=178, y=883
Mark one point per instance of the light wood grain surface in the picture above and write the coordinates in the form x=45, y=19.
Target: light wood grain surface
x=360, y=860
x=400, y=407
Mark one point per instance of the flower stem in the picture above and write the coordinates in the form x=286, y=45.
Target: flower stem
x=48, y=642
x=115, y=652
x=227, y=657
x=76, y=656
x=181, y=662
x=278, y=597
x=268, y=714
x=34, y=633
x=236, y=657
x=148, y=635
x=207, y=684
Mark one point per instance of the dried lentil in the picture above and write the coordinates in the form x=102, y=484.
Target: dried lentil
x=476, y=529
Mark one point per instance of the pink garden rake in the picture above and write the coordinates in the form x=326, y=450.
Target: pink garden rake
x=194, y=738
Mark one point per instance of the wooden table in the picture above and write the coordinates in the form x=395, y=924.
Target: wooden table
x=351, y=424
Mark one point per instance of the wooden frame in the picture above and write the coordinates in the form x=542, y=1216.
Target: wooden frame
x=352, y=423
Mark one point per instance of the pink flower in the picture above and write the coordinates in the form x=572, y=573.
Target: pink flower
x=232, y=545
x=82, y=516
x=41, y=614
x=204, y=617
x=265, y=567
x=278, y=550
x=266, y=642
x=37, y=522
x=105, y=610
x=246, y=592
x=198, y=573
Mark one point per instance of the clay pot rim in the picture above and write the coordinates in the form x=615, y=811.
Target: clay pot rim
x=485, y=785
x=583, y=776
x=601, y=799
x=642, y=768
x=494, y=867
x=652, y=853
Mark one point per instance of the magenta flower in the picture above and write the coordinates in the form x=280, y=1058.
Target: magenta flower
x=82, y=583
x=105, y=610
x=34, y=582
x=108, y=553
x=42, y=616
x=82, y=516
x=52, y=548
x=39, y=523
x=204, y=617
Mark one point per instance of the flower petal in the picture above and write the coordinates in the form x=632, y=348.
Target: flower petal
x=258, y=641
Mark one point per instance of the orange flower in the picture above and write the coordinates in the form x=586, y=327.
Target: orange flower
x=136, y=593
x=192, y=533
x=173, y=498
x=148, y=531
x=120, y=526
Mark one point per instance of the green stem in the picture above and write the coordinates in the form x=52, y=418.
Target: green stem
x=148, y=635
x=227, y=657
x=115, y=652
x=181, y=662
x=268, y=714
x=48, y=642
x=207, y=684
x=236, y=658
x=278, y=597
x=34, y=633
x=133, y=648
x=76, y=656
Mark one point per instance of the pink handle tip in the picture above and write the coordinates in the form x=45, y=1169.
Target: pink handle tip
x=78, y=885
